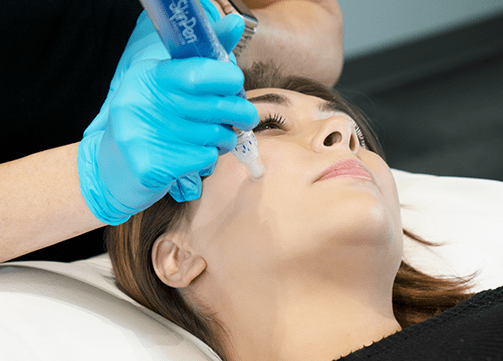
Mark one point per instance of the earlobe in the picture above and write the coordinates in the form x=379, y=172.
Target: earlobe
x=174, y=264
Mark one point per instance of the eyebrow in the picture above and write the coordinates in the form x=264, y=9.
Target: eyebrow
x=325, y=106
x=271, y=98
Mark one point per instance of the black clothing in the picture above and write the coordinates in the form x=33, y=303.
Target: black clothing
x=58, y=58
x=472, y=330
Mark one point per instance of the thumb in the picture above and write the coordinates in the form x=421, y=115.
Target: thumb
x=229, y=30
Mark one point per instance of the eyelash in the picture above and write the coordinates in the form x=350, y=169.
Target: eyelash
x=271, y=120
x=278, y=120
x=360, y=136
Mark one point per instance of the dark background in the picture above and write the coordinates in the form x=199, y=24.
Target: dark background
x=438, y=101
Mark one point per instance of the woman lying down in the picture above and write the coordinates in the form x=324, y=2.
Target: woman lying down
x=307, y=263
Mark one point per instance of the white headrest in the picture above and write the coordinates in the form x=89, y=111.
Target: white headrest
x=73, y=311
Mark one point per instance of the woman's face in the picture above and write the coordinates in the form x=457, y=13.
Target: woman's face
x=326, y=204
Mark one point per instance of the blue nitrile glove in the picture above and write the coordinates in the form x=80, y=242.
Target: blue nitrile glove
x=164, y=120
x=144, y=43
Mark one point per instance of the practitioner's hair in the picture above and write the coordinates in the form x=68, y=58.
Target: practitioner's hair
x=416, y=296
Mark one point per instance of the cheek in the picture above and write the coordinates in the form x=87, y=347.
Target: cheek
x=234, y=207
x=220, y=190
x=230, y=178
x=229, y=171
x=281, y=160
x=227, y=195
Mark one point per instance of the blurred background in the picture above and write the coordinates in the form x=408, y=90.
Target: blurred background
x=430, y=74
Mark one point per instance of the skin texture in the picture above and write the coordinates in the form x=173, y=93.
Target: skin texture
x=293, y=267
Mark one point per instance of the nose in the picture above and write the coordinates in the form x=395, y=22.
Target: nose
x=335, y=132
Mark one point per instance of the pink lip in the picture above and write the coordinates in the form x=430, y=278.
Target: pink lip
x=350, y=168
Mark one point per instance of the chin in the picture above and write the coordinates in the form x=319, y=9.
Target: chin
x=362, y=218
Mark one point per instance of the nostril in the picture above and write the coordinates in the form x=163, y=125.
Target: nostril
x=332, y=138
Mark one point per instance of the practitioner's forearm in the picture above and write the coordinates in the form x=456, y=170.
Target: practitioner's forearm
x=41, y=203
x=302, y=37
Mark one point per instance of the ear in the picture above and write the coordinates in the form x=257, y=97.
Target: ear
x=174, y=262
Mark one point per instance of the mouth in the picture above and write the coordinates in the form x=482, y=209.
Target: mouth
x=348, y=168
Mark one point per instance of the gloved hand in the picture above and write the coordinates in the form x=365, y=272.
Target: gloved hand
x=144, y=43
x=163, y=120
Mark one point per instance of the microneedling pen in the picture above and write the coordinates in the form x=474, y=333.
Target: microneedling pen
x=186, y=32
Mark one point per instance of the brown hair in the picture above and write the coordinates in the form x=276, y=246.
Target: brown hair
x=416, y=296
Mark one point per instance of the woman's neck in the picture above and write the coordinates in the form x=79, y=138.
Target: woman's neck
x=315, y=322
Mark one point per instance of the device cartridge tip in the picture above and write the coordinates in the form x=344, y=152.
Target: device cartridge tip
x=246, y=151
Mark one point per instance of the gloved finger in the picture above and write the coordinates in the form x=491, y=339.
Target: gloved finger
x=194, y=89
x=202, y=134
x=155, y=163
x=187, y=188
x=229, y=30
x=230, y=110
x=198, y=76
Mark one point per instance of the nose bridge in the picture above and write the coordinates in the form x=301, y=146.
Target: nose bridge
x=336, y=131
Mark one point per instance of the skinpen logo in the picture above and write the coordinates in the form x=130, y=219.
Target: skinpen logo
x=183, y=22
